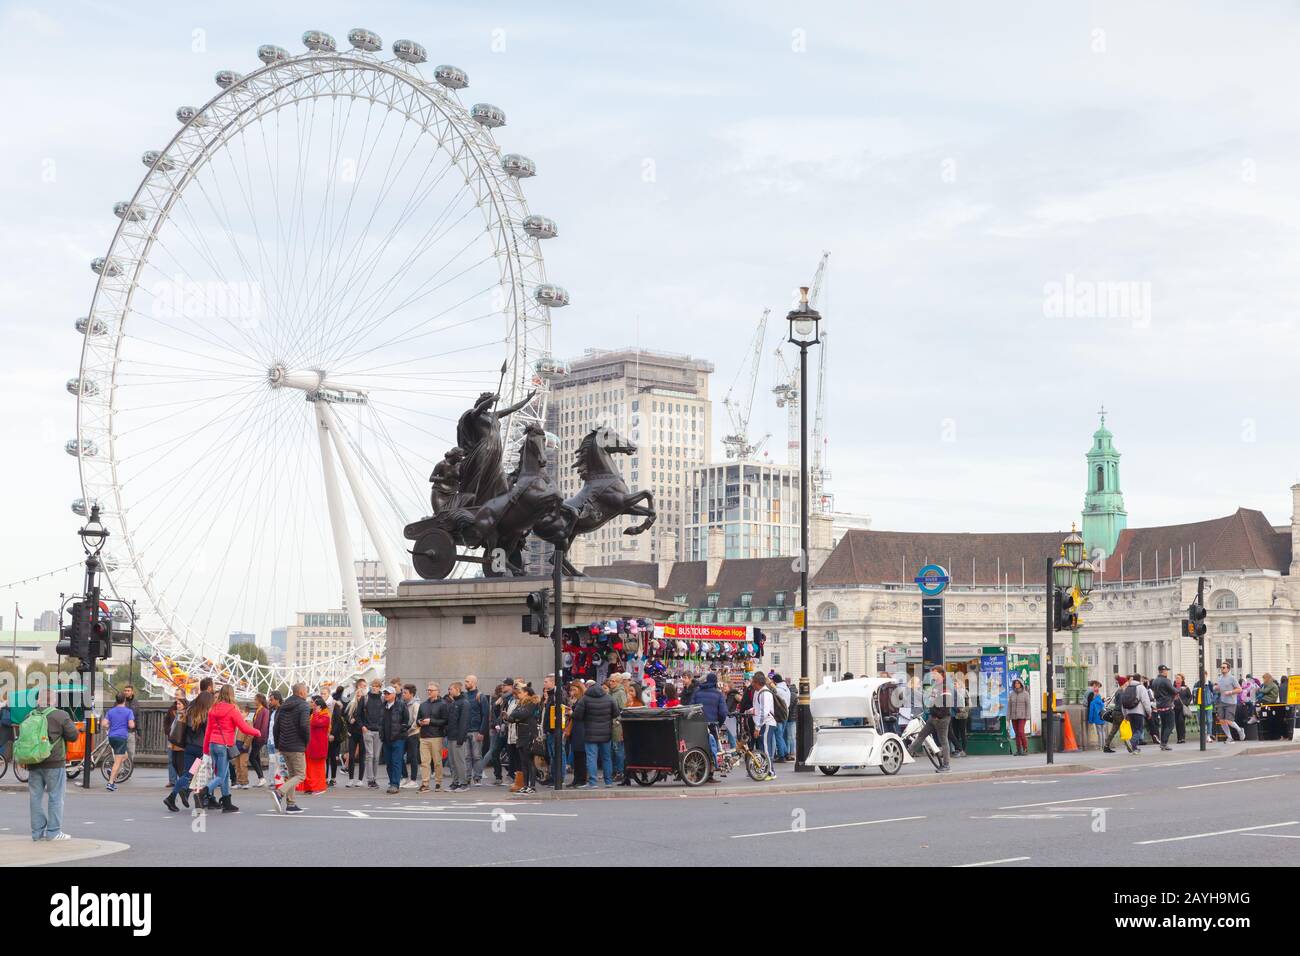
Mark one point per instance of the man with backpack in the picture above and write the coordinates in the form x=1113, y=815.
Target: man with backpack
x=1114, y=712
x=41, y=747
x=1135, y=701
x=1162, y=689
x=781, y=710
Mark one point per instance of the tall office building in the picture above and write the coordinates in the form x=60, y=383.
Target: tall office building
x=755, y=504
x=371, y=580
x=241, y=637
x=658, y=401
x=46, y=621
x=324, y=635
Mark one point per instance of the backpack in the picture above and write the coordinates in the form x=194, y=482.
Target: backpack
x=33, y=744
x=1128, y=697
x=780, y=710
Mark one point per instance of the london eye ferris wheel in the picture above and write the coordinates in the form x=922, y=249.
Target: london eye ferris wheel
x=325, y=264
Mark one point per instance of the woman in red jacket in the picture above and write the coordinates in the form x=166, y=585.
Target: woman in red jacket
x=318, y=748
x=219, y=742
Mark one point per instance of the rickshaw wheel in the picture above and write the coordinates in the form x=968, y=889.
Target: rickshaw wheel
x=891, y=757
x=758, y=765
x=695, y=767
x=829, y=771
x=643, y=778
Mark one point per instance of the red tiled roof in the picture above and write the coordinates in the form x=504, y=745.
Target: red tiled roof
x=875, y=557
x=1243, y=539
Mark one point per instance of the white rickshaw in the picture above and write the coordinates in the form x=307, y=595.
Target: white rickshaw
x=848, y=720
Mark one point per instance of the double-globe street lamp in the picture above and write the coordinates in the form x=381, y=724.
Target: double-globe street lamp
x=805, y=326
x=1069, y=579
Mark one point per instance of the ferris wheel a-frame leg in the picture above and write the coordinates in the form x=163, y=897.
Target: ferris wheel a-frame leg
x=338, y=523
x=394, y=569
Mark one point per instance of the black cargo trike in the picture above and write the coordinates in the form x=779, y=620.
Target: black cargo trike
x=667, y=740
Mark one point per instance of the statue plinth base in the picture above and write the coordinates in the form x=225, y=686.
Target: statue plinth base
x=443, y=630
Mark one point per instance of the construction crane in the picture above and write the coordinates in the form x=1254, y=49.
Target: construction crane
x=786, y=389
x=739, y=406
x=819, y=474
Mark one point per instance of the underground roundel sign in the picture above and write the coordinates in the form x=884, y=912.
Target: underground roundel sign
x=932, y=579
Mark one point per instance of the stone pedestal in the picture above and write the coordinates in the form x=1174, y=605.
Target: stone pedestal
x=443, y=630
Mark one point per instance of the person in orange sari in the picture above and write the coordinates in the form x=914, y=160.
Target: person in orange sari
x=318, y=748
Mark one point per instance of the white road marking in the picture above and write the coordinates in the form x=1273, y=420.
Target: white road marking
x=832, y=826
x=1220, y=783
x=1010, y=859
x=1197, y=836
x=359, y=814
x=1057, y=803
x=440, y=819
x=1001, y=782
x=1277, y=836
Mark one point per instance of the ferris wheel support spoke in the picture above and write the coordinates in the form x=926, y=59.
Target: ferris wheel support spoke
x=379, y=535
x=342, y=542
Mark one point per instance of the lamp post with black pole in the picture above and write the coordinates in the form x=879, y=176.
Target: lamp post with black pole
x=1069, y=579
x=93, y=536
x=805, y=322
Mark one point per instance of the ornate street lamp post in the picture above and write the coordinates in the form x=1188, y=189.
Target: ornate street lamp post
x=93, y=536
x=1069, y=579
x=805, y=323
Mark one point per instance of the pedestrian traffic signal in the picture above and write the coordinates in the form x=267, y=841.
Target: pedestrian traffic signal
x=73, y=636
x=1065, y=614
x=537, y=620
x=1195, y=620
x=101, y=635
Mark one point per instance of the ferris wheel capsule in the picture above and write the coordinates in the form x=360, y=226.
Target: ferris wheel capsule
x=85, y=326
x=228, y=78
x=152, y=158
x=520, y=167
x=452, y=77
x=318, y=40
x=485, y=114
x=106, y=267
x=552, y=295
x=82, y=507
x=128, y=211
x=269, y=53
x=409, y=51
x=85, y=448
x=539, y=227
x=81, y=386
x=365, y=40
x=190, y=115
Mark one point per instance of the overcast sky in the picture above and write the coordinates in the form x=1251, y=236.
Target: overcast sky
x=963, y=164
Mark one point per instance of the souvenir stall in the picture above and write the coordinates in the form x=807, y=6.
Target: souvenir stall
x=656, y=654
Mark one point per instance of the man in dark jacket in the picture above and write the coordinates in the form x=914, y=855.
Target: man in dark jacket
x=480, y=710
x=457, y=734
x=715, y=708
x=372, y=718
x=292, y=731
x=432, y=718
x=393, y=727
x=597, y=710
x=1162, y=689
x=686, y=692
x=47, y=780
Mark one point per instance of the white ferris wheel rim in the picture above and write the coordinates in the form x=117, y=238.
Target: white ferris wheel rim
x=310, y=76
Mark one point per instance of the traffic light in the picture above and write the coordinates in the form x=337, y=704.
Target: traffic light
x=1194, y=626
x=101, y=635
x=537, y=620
x=72, y=636
x=1065, y=613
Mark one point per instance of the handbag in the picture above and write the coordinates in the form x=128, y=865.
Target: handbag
x=1126, y=730
x=177, y=734
x=202, y=773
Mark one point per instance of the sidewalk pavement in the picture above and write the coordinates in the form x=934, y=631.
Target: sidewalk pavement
x=738, y=783
x=23, y=851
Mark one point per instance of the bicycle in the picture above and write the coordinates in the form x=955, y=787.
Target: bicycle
x=101, y=757
x=757, y=763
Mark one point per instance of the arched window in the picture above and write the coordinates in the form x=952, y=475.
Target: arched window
x=1227, y=601
x=1101, y=478
x=828, y=612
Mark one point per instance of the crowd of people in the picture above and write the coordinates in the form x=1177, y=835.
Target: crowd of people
x=1158, y=709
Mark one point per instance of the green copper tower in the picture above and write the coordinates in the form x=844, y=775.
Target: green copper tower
x=1104, y=516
